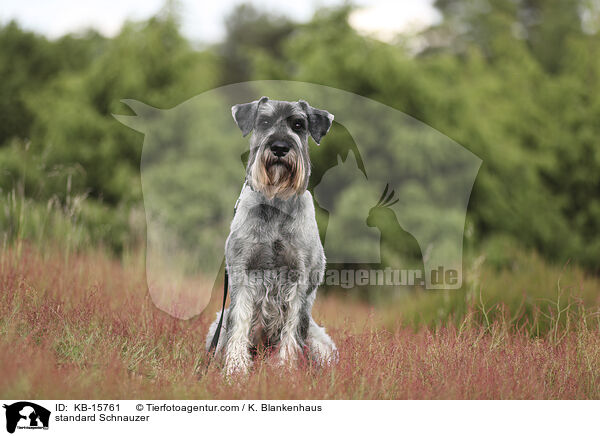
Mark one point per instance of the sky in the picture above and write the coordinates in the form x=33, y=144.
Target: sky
x=202, y=21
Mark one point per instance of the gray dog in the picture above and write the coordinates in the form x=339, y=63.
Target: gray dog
x=273, y=254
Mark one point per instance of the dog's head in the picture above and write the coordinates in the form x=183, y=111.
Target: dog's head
x=279, y=163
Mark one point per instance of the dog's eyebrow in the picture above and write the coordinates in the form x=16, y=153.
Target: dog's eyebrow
x=297, y=113
x=264, y=117
x=267, y=109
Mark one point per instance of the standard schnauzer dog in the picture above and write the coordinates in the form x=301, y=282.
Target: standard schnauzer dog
x=273, y=254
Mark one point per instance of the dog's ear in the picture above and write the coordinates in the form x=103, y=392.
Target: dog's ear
x=319, y=121
x=245, y=114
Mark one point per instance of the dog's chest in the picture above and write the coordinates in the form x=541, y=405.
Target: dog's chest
x=277, y=243
x=271, y=236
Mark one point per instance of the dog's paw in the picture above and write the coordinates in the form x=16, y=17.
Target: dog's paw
x=238, y=364
x=322, y=349
x=288, y=355
x=324, y=352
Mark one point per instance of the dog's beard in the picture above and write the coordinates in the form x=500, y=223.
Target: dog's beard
x=278, y=177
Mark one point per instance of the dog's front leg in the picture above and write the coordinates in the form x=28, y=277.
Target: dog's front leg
x=239, y=319
x=291, y=340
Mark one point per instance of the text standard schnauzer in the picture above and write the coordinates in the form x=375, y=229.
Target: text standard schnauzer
x=273, y=254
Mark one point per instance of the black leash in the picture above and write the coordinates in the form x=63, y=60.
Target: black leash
x=215, y=340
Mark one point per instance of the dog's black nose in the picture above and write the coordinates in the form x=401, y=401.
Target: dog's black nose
x=280, y=148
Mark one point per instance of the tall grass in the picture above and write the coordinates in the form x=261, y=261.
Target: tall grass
x=85, y=327
x=532, y=294
x=42, y=206
x=45, y=225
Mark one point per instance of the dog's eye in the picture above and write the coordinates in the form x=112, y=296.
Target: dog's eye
x=265, y=122
x=298, y=125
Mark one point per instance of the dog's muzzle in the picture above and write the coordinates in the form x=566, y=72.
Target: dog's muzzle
x=279, y=170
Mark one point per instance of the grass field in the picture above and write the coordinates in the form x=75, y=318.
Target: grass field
x=83, y=326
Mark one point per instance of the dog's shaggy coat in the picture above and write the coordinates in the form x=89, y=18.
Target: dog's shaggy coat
x=273, y=254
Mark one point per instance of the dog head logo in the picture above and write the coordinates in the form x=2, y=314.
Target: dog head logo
x=26, y=415
x=194, y=161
